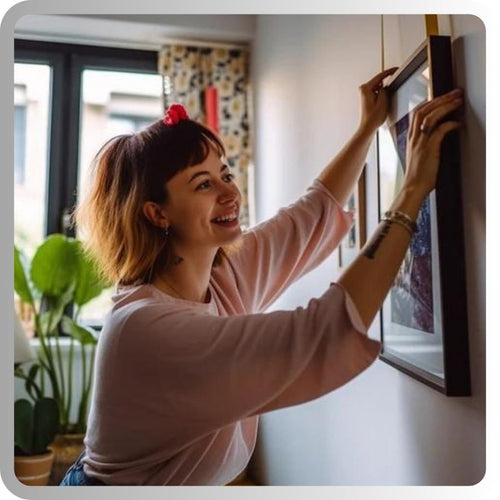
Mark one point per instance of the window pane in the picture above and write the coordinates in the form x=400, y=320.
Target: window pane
x=113, y=103
x=31, y=147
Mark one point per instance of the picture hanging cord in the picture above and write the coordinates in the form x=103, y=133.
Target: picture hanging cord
x=382, y=61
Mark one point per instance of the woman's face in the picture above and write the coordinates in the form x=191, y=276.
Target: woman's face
x=203, y=205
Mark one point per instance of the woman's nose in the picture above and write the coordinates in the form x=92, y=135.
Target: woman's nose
x=228, y=193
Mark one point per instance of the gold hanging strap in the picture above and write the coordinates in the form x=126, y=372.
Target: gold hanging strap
x=431, y=24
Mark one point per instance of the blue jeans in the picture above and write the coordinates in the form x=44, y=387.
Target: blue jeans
x=76, y=477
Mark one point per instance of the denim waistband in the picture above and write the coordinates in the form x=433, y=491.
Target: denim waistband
x=75, y=476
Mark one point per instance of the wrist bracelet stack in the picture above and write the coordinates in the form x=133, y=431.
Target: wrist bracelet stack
x=402, y=219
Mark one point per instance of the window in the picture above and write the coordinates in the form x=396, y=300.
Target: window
x=69, y=99
x=113, y=103
x=19, y=143
x=31, y=149
x=122, y=123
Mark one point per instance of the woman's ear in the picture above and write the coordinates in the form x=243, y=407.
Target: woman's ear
x=155, y=214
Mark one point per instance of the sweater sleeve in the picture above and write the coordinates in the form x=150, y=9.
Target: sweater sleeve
x=209, y=371
x=277, y=252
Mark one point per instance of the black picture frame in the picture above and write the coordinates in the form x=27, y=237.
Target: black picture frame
x=424, y=322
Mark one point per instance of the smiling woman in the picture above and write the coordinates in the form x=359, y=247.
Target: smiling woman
x=188, y=357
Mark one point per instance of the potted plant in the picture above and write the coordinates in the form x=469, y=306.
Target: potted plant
x=35, y=426
x=60, y=279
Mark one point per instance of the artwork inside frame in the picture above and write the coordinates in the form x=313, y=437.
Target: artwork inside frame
x=424, y=317
x=352, y=243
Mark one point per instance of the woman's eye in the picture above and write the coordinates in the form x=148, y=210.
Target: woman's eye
x=203, y=185
x=228, y=177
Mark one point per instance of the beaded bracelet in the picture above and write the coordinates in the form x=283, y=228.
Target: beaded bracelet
x=402, y=219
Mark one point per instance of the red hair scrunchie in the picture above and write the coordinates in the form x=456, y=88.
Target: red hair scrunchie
x=175, y=113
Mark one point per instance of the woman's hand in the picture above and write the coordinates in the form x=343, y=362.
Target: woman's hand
x=426, y=132
x=374, y=102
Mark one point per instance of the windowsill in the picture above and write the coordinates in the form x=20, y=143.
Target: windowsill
x=64, y=343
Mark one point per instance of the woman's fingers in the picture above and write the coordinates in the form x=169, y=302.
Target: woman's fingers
x=436, y=114
x=377, y=80
x=426, y=110
x=413, y=126
x=429, y=124
x=441, y=130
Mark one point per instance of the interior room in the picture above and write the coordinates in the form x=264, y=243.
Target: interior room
x=299, y=79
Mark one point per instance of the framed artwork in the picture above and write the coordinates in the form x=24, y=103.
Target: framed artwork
x=352, y=243
x=424, y=317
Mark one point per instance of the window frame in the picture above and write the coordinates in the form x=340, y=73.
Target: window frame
x=67, y=62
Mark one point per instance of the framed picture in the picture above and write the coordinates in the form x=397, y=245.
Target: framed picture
x=424, y=318
x=350, y=246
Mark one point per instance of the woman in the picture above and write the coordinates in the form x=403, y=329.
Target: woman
x=186, y=359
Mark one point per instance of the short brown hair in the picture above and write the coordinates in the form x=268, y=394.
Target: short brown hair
x=127, y=171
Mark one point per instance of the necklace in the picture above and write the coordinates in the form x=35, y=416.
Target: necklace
x=173, y=289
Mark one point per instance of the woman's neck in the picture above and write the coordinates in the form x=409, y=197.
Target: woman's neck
x=187, y=280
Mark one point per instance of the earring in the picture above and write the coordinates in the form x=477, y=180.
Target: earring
x=167, y=231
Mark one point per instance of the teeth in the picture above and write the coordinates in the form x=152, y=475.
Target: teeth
x=226, y=218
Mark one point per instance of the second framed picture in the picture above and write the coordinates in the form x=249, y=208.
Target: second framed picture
x=424, y=318
x=352, y=243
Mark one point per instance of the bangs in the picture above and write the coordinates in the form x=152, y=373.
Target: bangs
x=168, y=150
x=199, y=150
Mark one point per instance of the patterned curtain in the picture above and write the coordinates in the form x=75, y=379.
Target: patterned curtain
x=213, y=84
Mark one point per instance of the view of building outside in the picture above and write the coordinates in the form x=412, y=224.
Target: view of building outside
x=112, y=103
x=31, y=152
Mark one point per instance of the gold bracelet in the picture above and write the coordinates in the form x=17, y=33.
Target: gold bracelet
x=399, y=222
x=401, y=216
x=401, y=219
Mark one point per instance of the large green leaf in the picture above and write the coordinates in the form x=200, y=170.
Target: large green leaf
x=83, y=334
x=88, y=284
x=54, y=265
x=23, y=425
x=21, y=273
x=50, y=319
x=30, y=385
x=46, y=424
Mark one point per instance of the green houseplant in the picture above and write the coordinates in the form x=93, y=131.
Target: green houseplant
x=60, y=279
x=35, y=427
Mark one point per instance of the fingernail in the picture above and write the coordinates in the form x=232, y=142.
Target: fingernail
x=457, y=92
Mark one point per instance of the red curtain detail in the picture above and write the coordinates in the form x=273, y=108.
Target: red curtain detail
x=211, y=109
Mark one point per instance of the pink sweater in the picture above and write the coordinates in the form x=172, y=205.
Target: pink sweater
x=179, y=385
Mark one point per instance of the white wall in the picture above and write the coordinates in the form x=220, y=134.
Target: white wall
x=383, y=428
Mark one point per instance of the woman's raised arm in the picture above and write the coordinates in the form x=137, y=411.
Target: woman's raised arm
x=342, y=173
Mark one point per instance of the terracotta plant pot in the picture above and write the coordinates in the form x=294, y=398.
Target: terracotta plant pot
x=66, y=448
x=34, y=470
